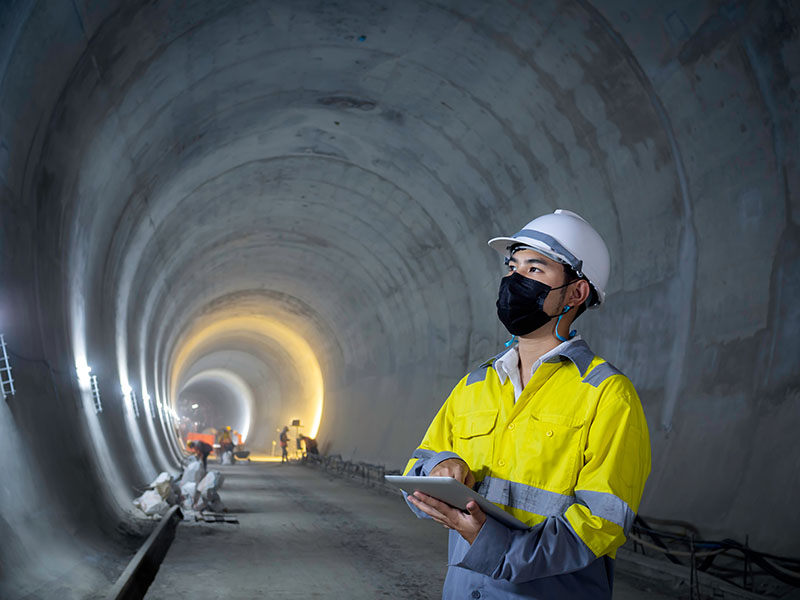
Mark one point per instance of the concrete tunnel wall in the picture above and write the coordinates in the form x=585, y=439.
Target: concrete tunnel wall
x=261, y=180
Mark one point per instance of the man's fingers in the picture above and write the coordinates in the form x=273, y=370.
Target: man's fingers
x=473, y=508
x=434, y=503
x=430, y=511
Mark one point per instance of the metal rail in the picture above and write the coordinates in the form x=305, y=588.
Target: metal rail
x=368, y=474
x=140, y=572
x=5, y=371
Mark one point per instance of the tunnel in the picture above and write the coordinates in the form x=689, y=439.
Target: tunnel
x=278, y=211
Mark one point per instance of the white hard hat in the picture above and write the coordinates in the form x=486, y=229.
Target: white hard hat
x=566, y=237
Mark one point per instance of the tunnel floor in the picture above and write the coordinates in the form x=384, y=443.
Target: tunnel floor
x=302, y=533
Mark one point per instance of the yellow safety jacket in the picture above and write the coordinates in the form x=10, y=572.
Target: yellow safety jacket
x=570, y=458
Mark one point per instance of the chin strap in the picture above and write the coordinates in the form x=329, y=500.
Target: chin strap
x=572, y=333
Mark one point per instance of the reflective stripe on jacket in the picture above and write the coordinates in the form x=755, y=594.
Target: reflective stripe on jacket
x=569, y=458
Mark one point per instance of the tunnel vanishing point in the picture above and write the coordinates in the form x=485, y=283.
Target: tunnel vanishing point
x=280, y=209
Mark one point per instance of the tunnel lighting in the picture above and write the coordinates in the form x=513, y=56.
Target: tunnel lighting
x=130, y=396
x=86, y=379
x=149, y=399
x=6, y=381
x=84, y=374
x=194, y=406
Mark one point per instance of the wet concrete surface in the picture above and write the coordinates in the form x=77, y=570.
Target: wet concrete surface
x=305, y=534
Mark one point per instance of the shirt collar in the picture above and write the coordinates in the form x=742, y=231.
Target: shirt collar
x=508, y=362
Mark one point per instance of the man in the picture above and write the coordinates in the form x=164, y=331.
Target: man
x=311, y=445
x=285, y=444
x=201, y=450
x=546, y=429
x=226, y=445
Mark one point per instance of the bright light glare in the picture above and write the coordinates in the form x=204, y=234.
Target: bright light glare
x=83, y=373
x=194, y=406
x=126, y=390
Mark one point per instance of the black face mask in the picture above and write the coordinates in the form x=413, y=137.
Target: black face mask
x=520, y=303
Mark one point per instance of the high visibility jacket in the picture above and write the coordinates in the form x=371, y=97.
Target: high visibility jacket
x=569, y=458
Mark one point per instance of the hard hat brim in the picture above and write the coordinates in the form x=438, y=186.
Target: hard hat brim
x=502, y=245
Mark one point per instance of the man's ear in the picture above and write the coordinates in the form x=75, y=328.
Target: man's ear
x=579, y=293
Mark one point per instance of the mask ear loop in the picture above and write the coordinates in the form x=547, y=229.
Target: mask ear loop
x=511, y=341
x=572, y=333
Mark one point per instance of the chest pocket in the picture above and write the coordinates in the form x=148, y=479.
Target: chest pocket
x=472, y=439
x=555, y=446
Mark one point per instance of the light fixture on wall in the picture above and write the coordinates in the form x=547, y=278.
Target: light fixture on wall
x=86, y=379
x=84, y=374
x=6, y=381
x=130, y=396
x=149, y=399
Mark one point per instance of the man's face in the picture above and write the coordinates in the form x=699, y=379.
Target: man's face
x=534, y=265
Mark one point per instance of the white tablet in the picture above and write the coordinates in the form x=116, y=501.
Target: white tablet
x=455, y=494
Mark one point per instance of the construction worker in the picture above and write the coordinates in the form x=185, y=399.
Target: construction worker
x=201, y=450
x=546, y=429
x=310, y=444
x=226, y=441
x=285, y=444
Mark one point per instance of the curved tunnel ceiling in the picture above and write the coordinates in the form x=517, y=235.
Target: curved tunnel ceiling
x=296, y=196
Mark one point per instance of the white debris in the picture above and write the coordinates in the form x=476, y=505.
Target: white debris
x=163, y=485
x=151, y=503
x=212, y=481
x=194, y=471
x=209, y=500
x=227, y=458
x=189, y=495
x=215, y=502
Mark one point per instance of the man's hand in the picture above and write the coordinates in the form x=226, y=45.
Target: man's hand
x=455, y=468
x=468, y=524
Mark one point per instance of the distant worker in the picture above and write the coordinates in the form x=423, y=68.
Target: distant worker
x=311, y=445
x=285, y=444
x=225, y=442
x=202, y=450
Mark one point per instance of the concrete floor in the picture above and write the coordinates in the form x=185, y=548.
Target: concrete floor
x=305, y=534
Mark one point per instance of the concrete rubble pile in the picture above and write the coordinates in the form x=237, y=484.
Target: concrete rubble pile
x=160, y=495
x=195, y=491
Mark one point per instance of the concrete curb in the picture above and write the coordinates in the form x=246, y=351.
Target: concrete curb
x=140, y=572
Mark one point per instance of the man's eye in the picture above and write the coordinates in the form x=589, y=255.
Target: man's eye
x=511, y=268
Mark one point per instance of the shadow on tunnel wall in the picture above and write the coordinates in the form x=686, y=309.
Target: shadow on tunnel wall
x=329, y=173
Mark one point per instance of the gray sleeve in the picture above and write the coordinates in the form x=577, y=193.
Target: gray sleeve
x=427, y=460
x=550, y=548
